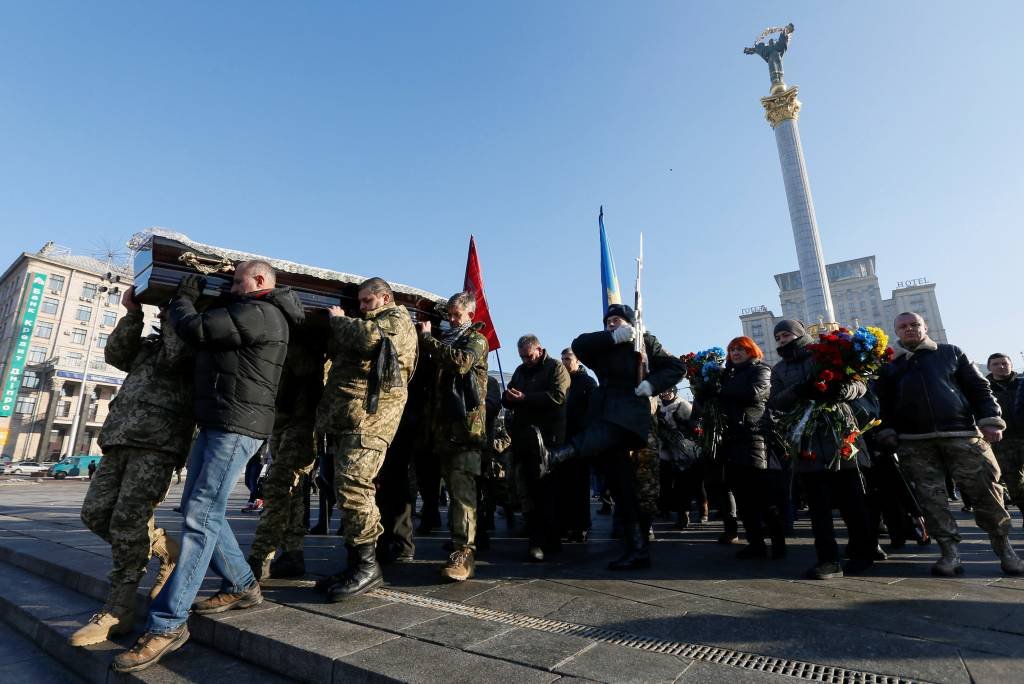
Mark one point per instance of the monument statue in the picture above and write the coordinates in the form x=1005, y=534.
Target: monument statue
x=772, y=51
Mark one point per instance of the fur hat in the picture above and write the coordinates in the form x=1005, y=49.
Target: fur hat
x=622, y=311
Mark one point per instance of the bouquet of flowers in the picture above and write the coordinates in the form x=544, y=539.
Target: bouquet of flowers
x=839, y=356
x=704, y=372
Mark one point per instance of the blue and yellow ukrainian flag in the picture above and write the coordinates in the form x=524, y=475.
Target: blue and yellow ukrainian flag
x=609, y=280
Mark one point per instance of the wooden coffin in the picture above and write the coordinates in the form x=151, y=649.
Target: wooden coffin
x=160, y=267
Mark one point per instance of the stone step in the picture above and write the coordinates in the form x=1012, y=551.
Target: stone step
x=363, y=639
x=46, y=614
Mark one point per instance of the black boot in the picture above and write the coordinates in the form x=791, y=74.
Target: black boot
x=324, y=584
x=636, y=550
x=363, y=576
x=550, y=458
x=731, y=533
x=289, y=565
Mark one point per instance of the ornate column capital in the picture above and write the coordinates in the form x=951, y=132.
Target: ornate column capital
x=781, y=106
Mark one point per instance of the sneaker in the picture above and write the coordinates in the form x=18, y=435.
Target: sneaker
x=149, y=649
x=460, y=565
x=258, y=506
x=223, y=601
x=535, y=554
x=824, y=571
x=253, y=506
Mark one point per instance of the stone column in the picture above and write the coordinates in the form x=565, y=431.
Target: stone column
x=56, y=385
x=782, y=109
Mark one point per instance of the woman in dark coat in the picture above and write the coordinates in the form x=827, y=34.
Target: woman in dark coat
x=756, y=484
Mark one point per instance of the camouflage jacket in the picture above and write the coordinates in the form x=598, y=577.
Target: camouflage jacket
x=353, y=348
x=154, y=408
x=458, y=405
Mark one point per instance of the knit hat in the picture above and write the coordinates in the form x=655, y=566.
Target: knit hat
x=622, y=311
x=790, y=325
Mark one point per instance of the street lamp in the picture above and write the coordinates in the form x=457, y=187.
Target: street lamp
x=83, y=402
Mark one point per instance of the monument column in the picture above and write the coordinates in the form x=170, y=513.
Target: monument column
x=782, y=110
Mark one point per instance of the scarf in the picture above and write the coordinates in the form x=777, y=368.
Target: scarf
x=448, y=339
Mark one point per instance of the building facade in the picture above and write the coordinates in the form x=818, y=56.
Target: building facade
x=57, y=310
x=857, y=298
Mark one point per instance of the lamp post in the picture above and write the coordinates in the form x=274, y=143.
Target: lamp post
x=83, y=402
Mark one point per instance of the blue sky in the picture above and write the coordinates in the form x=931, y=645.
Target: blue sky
x=375, y=137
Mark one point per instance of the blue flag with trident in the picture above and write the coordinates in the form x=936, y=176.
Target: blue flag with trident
x=609, y=281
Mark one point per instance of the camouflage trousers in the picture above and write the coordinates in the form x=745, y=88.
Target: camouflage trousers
x=357, y=461
x=460, y=469
x=647, y=477
x=281, y=525
x=124, y=491
x=1010, y=457
x=971, y=463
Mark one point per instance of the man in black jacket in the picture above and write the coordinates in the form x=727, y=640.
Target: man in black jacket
x=622, y=422
x=241, y=342
x=1008, y=387
x=573, y=483
x=536, y=399
x=938, y=412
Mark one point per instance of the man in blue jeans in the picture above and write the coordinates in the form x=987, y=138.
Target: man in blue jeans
x=241, y=341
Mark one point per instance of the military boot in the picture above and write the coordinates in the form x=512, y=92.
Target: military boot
x=166, y=549
x=550, y=458
x=289, y=565
x=116, y=617
x=260, y=566
x=949, y=565
x=1008, y=560
x=324, y=584
x=363, y=576
x=635, y=553
x=461, y=565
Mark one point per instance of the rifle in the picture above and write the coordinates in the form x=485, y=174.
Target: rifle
x=638, y=341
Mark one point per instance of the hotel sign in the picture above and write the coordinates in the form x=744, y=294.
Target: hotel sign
x=15, y=369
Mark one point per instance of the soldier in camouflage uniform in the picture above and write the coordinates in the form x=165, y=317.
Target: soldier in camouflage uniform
x=1008, y=388
x=294, y=451
x=938, y=412
x=372, y=361
x=145, y=436
x=457, y=418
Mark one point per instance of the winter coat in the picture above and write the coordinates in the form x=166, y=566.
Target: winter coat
x=355, y=347
x=155, y=407
x=741, y=400
x=788, y=375
x=458, y=403
x=935, y=391
x=615, y=365
x=674, y=432
x=544, y=387
x=242, y=341
x=1009, y=393
x=581, y=388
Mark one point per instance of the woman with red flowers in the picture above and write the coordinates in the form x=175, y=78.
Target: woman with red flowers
x=758, y=489
x=827, y=479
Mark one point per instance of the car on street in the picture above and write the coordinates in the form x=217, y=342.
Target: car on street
x=26, y=467
x=73, y=466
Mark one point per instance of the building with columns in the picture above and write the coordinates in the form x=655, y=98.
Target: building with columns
x=57, y=310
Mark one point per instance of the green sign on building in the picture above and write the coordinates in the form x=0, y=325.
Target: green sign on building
x=12, y=383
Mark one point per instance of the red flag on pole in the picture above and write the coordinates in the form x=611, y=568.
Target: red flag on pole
x=475, y=283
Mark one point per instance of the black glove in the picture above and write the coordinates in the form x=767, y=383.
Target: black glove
x=191, y=286
x=806, y=390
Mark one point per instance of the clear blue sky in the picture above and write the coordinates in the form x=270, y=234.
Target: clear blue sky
x=375, y=137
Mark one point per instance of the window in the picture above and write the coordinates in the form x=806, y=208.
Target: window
x=84, y=313
x=109, y=318
x=36, y=354
x=56, y=282
x=113, y=297
x=25, y=405
x=98, y=364
x=63, y=408
x=44, y=330
x=50, y=305
x=101, y=340
x=89, y=290
x=30, y=380
x=78, y=336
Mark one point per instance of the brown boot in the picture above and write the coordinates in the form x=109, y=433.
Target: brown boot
x=116, y=617
x=460, y=565
x=223, y=601
x=149, y=649
x=166, y=549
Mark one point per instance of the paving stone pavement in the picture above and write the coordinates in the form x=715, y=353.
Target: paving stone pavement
x=897, y=620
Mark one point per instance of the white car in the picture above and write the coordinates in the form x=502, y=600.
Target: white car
x=26, y=467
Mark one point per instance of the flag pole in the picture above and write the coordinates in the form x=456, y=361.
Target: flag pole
x=501, y=373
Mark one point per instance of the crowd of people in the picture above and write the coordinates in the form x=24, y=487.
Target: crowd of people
x=377, y=411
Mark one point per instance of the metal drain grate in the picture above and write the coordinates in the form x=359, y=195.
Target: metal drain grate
x=711, y=654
